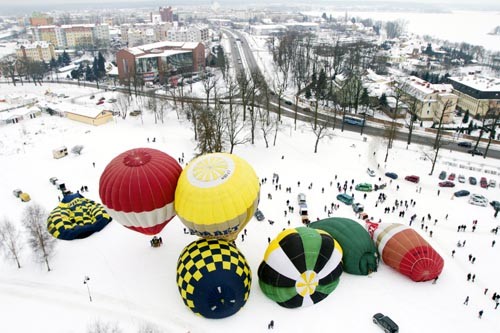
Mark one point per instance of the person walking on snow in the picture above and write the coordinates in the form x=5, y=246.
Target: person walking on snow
x=466, y=302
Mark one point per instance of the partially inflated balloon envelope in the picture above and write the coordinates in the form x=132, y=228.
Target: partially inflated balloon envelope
x=76, y=217
x=301, y=267
x=403, y=249
x=138, y=187
x=359, y=252
x=217, y=194
x=213, y=278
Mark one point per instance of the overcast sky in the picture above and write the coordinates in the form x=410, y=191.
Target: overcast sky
x=238, y=2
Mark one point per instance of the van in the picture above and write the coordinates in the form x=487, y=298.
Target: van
x=60, y=152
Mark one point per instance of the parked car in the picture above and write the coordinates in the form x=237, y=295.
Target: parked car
x=99, y=102
x=475, y=152
x=451, y=176
x=386, y=323
x=25, y=197
x=483, y=182
x=442, y=175
x=472, y=180
x=259, y=215
x=370, y=172
x=446, y=183
x=112, y=100
x=461, y=193
x=358, y=207
x=365, y=187
x=391, y=175
x=92, y=96
x=135, y=113
x=461, y=178
x=465, y=144
x=492, y=183
x=412, y=178
x=478, y=200
x=345, y=198
x=495, y=204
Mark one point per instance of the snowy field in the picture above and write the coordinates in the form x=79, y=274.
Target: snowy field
x=133, y=285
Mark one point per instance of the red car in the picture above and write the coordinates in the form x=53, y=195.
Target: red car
x=412, y=178
x=451, y=176
x=483, y=182
x=447, y=184
x=100, y=102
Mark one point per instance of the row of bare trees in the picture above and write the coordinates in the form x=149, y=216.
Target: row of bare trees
x=13, y=239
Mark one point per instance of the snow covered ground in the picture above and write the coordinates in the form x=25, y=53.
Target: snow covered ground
x=132, y=284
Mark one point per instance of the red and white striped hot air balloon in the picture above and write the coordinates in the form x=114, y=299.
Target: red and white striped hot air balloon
x=138, y=188
x=406, y=251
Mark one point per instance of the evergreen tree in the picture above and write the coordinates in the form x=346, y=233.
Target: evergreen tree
x=466, y=117
x=95, y=68
x=308, y=93
x=101, y=65
x=53, y=63
x=383, y=100
x=66, y=60
x=365, y=99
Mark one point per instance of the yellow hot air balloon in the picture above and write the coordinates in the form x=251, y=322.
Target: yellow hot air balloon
x=216, y=195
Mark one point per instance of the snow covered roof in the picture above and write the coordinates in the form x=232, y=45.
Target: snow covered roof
x=63, y=107
x=478, y=82
x=164, y=53
x=15, y=113
x=141, y=49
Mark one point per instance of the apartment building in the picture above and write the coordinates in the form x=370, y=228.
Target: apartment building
x=478, y=94
x=157, y=60
x=41, y=20
x=72, y=35
x=37, y=51
x=431, y=100
x=148, y=32
x=167, y=14
x=195, y=33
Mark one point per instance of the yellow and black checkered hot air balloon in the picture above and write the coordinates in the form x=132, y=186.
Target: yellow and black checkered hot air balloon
x=301, y=267
x=76, y=217
x=213, y=278
x=216, y=195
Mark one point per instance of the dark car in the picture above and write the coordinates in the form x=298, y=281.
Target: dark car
x=442, y=175
x=461, y=193
x=483, y=182
x=385, y=323
x=495, y=204
x=472, y=181
x=345, y=198
x=412, y=178
x=475, y=152
x=465, y=144
x=259, y=215
x=446, y=184
x=391, y=175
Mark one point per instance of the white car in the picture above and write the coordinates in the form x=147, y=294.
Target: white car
x=370, y=172
x=492, y=183
x=461, y=178
x=478, y=200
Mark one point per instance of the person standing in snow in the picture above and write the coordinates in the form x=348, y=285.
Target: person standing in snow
x=466, y=302
x=481, y=314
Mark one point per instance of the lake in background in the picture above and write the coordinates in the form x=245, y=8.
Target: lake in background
x=457, y=26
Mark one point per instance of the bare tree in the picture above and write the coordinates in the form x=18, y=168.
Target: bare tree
x=267, y=123
x=235, y=128
x=10, y=240
x=244, y=85
x=101, y=327
x=122, y=105
x=41, y=242
x=153, y=104
x=394, y=29
x=8, y=68
x=494, y=125
x=210, y=124
x=209, y=83
x=321, y=130
x=437, y=142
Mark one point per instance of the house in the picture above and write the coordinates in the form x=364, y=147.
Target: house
x=89, y=115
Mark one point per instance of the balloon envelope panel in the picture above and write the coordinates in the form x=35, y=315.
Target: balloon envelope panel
x=76, y=217
x=406, y=251
x=217, y=195
x=213, y=278
x=138, y=187
x=301, y=267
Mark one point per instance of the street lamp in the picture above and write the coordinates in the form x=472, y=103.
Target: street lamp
x=86, y=280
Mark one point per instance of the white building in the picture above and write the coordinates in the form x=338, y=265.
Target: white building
x=195, y=33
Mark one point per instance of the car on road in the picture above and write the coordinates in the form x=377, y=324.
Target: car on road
x=259, y=215
x=99, y=102
x=478, y=200
x=442, y=175
x=287, y=102
x=391, y=175
x=461, y=193
x=370, y=172
x=475, y=152
x=446, y=183
x=412, y=178
x=365, y=187
x=451, y=176
x=465, y=144
x=386, y=323
x=472, y=180
x=461, y=178
x=345, y=198
x=483, y=182
x=357, y=207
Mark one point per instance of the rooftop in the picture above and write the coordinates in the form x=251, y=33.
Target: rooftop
x=478, y=82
